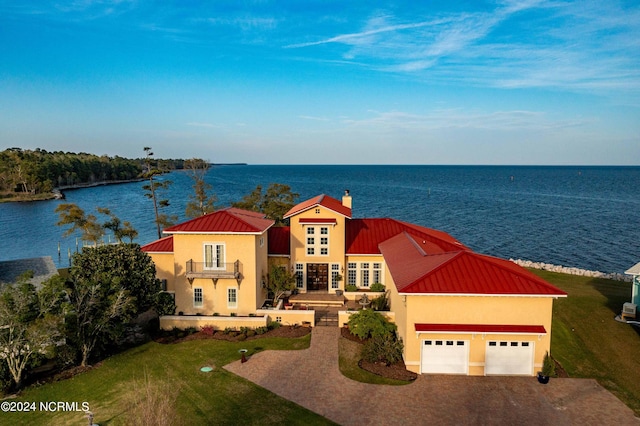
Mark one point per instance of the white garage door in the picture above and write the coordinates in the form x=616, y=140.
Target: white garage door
x=445, y=356
x=509, y=358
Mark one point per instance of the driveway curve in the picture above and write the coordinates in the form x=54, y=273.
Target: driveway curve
x=312, y=379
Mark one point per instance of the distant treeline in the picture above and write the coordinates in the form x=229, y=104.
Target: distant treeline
x=29, y=173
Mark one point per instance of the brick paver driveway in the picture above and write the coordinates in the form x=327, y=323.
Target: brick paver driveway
x=311, y=378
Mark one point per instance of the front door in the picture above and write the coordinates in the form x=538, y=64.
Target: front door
x=317, y=276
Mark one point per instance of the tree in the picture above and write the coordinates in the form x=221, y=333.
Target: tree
x=199, y=203
x=71, y=214
x=277, y=201
x=153, y=191
x=369, y=323
x=278, y=281
x=29, y=326
x=120, y=229
x=108, y=286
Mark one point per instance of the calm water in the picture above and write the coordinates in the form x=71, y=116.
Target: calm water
x=587, y=217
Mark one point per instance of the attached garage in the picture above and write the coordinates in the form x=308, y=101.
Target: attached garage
x=445, y=356
x=509, y=358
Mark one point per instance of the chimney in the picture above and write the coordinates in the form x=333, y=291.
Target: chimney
x=346, y=199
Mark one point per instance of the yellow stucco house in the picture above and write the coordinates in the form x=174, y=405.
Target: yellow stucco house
x=457, y=311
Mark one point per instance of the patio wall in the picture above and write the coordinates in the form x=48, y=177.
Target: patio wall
x=357, y=295
x=289, y=317
x=343, y=316
x=168, y=322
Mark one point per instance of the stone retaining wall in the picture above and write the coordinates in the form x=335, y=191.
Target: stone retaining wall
x=570, y=270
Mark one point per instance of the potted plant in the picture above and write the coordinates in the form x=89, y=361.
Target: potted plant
x=548, y=369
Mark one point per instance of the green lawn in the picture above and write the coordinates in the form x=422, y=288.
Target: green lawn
x=585, y=340
x=171, y=376
x=588, y=342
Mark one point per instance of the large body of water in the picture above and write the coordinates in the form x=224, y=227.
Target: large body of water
x=585, y=217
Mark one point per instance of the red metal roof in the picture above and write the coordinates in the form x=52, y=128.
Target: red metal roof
x=363, y=236
x=163, y=245
x=229, y=220
x=462, y=272
x=481, y=328
x=279, y=243
x=321, y=200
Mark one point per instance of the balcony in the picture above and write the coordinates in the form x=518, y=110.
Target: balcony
x=203, y=270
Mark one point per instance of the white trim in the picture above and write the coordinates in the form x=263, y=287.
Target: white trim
x=476, y=333
x=365, y=255
x=480, y=295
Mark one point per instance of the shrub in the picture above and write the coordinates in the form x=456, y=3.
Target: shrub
x=380, y=303
x=351, y=287
x=368, y=323
x=165, y=304
x=242, y=337
x=233, y=314
x=251, y=332
x=261, y=330
x=207, y=330
x=377, y=287
x=273, y=325
x=244, y=330
x=228, y=330
x=216, y=314
x=383, y=348
x=191, y=330
x=548, y=366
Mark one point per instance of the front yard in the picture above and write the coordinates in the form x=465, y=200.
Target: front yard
x=167, y=376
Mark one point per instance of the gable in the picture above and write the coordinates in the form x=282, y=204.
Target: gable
x=321, y=200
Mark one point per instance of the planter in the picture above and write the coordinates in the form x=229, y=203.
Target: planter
x=339, y=292
x=543, y=379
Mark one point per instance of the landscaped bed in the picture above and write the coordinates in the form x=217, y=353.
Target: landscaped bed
x=178, y=336
x=397, y=371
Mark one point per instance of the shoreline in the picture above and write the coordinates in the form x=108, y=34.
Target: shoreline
x=569, y=270
x=57, y=194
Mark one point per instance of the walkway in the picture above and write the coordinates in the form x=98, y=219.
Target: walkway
x=311, y=378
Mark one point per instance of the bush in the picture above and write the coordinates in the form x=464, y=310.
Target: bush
x=165, y=304
x=548, y=366
x=244, y=330
x=228, y=330
x=261, y=330
x=207, y=330
x=273, y=325
x=377, y=287
x=368, y=323
x=384, y=348
x=381, y=303
x=351, y=287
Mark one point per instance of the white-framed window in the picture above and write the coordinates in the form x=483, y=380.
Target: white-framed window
x=377, y=273
x=299, y=275
x=364, y=274
x=232, y=297
x=335, y=273
x=352, y=273
x=197, y=297
x=214, y=255
x=320, y=245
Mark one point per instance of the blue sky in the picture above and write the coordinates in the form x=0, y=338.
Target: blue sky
x=325, y=82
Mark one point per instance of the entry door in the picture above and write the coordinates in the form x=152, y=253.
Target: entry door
x=317, y=276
